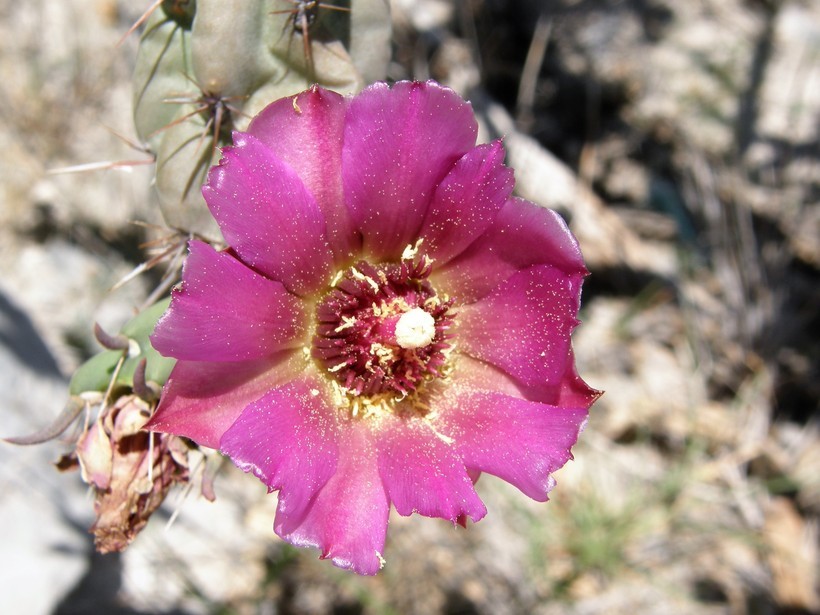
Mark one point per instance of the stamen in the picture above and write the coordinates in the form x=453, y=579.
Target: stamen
x=382, y=332
x=410, y=252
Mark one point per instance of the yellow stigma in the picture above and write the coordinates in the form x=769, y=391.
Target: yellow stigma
x=415, y=329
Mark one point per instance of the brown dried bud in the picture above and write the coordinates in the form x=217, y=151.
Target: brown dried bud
x=130, y=475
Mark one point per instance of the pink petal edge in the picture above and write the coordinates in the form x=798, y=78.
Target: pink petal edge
x=267, y=215
x=348, y=518
x=289, y=439
x=202, y=400
x=423, y=474
x=466, y=202
x=522, y=442
x=524, y=325
x=306, y=132
x=522, y=235
x=399, y=144
x=224, y=311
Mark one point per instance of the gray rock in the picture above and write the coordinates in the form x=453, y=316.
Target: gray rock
x=43, y=551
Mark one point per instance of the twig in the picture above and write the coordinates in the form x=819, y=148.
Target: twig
x=529, y=74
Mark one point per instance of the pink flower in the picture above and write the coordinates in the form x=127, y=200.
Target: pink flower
x=387, y=324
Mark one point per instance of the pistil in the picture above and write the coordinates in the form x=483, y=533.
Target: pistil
x=382, y=330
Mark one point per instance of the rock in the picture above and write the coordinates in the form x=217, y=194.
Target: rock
x=43, y=552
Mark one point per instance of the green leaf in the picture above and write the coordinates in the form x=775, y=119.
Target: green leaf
x=96, y=373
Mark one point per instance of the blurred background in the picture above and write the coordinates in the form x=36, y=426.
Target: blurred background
x=680, y=139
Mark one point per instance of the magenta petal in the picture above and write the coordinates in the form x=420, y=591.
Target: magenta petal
x=570, y=391
x=289, y=440
x=524, y=325
x=268, y=216
x=226, y=312
x=523, y=234
x=348, y=518
x=399, y=144
x=466, y=202
x=574, y=391
x=520, y=441
x=423, y=474
x=475, y=374
x=306, y=131
x=202, y=400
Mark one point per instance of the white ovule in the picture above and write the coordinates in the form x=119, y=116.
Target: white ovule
x=415, y=329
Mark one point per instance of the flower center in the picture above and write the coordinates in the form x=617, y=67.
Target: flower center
x=415, y=328
x=382, y=329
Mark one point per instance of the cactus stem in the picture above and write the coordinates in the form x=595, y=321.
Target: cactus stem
x=218, y=110
x=304, y=14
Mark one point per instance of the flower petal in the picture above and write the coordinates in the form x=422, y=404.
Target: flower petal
x=226, y=312
x=570, y=391
x=348, y=518
x=522, y=235
x=399, y=144
x=305, y=131
x=289, y=440
x=202, y=400
x=466, y=201
x=423, y=474
x=520, y=441
x=574, y=392
x=267, y=215
x=475, y=374
x=524, y=325
x=96, y=456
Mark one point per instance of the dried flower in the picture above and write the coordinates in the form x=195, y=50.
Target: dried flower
x=130, y=474
x=129, y=470
x=387, y=324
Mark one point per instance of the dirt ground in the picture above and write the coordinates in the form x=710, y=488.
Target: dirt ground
x=680, y=140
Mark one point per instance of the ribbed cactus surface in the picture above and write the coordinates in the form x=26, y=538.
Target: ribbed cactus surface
x=205, y=67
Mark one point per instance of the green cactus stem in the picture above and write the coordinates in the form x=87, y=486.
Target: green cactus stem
x=205, y=68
